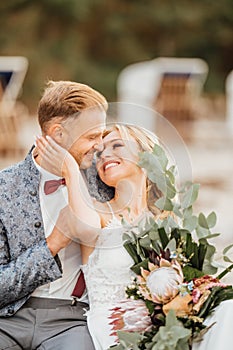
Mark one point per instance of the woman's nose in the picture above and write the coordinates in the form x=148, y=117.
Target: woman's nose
x=106, y=152
x=102, y=155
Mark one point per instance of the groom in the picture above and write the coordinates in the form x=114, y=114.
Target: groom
x=39, y=270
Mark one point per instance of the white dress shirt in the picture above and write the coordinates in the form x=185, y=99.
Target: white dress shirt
x=70, y=256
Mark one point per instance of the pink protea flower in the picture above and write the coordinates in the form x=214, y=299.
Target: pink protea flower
x=196, y=294
x=202, y=284
x=160, y=283
x=130, y=316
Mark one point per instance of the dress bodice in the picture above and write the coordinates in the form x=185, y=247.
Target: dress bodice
x=107, y=272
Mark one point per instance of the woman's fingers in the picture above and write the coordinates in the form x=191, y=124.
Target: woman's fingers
x=53, y=156
x=43, y=148
x=49, y=147
x=55, y=146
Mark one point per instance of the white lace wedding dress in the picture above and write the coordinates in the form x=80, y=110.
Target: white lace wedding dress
x=107, y=273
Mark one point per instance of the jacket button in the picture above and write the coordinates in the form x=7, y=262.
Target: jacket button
x=33, y=193
x=10, y=311
x=37, y=224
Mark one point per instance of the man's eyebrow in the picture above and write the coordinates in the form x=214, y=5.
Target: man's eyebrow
x=94, y=133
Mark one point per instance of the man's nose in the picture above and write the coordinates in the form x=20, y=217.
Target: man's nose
x=99, y=146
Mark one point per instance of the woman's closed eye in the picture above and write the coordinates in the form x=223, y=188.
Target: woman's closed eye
x=117, y=144
x=113, y=147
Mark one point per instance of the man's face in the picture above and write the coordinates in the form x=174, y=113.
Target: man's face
x=83, y=136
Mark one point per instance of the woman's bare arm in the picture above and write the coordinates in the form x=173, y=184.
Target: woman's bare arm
x=79, y=220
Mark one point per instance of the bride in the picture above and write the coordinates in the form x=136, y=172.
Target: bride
x=106, y=264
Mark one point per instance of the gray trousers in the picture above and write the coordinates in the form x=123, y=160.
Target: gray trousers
x=46, y=324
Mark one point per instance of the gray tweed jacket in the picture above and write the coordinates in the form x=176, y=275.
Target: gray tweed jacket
x=25, y=260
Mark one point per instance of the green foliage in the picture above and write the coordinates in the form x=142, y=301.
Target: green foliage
x=128, y=340
x=172, y=336
x=91, y=41
x=200, y=255
x=171, y=237
x=217, y=295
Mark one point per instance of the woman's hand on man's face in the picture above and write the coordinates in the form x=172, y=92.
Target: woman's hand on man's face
x=53, y=157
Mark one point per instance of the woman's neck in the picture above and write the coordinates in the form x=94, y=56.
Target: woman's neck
x=130, y=198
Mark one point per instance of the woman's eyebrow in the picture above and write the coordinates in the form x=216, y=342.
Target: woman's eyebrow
x=114, y=140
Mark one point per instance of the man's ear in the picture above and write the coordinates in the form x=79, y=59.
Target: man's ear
x=56, y=132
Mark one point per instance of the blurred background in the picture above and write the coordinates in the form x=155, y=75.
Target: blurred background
x=118, y=47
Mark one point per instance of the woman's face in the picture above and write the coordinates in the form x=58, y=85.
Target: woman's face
x=118, y=160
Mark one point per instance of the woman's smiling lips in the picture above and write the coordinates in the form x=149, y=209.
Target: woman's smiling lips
x=109, y=164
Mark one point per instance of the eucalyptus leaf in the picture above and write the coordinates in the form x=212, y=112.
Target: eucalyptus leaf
x=202, y=232
x=188, y=212
x=212, y=235
x=164, y=204
x=160, y=153
x=190, y=223
x=173, y=169
x=218, y=265
x=226, y=250
x=142, y=224
x=160, y=181
x=145, y=242
x=154, y=235
x=211, y=219
x=160, y=203
x=190, y=196
x=170, y=224
x=208, y=268
x=163, y=224
x=129, y=340
x=170, y=189
x=177, y=211
x=202, y=221
x=155, y=245
x=171, y=176
x=150, y=162
x=225, y=258
x=171, y=245
x=168, y=336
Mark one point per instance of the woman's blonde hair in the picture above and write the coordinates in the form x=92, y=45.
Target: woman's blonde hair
x=146, y=141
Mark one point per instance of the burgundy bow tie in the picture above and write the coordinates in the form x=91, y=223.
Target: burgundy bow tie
x=51, y=186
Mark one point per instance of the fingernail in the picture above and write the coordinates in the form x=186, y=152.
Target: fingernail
x=35, y=139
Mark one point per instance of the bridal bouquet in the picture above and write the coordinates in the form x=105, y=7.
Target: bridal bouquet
x=176, y=285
